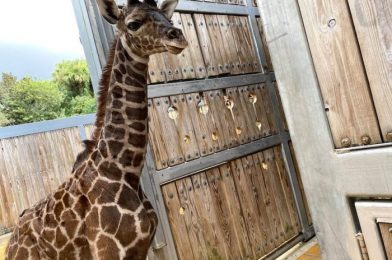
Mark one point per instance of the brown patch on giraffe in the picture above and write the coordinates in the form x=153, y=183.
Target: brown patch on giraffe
x=132, y=82
x=127, y=230
x=82, y=206
x=50, y=221
x=22, y=253
x=117, y=104
x=136, y=113
x=103, y=148
x=127, y=157
x=132, y=180
x=68, y=252
x=118, y=76
x=117, y=92
x=110, y=218
x=117, y=118
x=108, y=248
x=115, y=147
x=83, y=245
x=103, y=192
x=61, y=239
x=137, y=140
x=58, y=208
x=67, y=200
x=135, y=96
x=127, y=199
x=138, y=160
x=110, y=170
x=138, y=126
x=48, y=235
x=139, y=251
x=122, y=69
x=114, y=132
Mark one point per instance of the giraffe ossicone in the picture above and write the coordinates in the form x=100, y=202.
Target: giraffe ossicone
x=101, y=212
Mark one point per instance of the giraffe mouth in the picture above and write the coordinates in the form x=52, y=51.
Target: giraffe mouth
x=174, y=49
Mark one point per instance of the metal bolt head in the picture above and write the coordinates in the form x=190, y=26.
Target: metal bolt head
x=366, y=139
x=346, y=142
x=389, y=136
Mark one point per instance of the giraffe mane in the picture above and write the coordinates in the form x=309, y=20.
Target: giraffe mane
x=104, y=83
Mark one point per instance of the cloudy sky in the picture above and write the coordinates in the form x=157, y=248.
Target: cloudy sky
x=35, y=35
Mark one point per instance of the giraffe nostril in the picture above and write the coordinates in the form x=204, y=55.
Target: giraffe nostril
x=173, y=34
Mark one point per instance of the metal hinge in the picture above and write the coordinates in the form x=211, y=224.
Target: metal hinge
x=362, y=246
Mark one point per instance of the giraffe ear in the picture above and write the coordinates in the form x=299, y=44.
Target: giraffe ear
x=168, y=7
x=109, y=10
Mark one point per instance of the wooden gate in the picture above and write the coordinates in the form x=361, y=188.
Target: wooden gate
x=219, y=167
x=333, y=67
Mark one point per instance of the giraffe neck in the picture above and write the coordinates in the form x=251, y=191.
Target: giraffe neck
x=123, y=140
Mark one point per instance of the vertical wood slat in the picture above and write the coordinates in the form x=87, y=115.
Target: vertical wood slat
x=373, y=26
x=194, y=46
x=260, y=114
x=265, y=46
x=340, y=72
x=32, y=166
x=156, y=69
x=179, y=230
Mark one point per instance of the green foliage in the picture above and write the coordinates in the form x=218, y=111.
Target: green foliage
x=73, y=77
x=82, y=105
x=29, y=100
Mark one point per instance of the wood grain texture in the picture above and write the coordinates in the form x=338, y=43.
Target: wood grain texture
x=260, y=113
x=265, y=46
x=178, y=226
x=386, y=235
x=340, y=71
x=373, y=26
x=32, y=166
x=156, y=68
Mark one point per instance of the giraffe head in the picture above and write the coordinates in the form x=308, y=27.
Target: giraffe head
x=145, y=27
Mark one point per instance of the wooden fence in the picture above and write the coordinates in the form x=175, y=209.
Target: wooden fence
x=354, y=41
x=242, y=209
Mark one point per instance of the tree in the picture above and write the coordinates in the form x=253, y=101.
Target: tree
x=81, y=105
x=30, y=101
x=73, y=76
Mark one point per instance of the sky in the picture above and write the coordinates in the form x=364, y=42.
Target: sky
x=35, y=35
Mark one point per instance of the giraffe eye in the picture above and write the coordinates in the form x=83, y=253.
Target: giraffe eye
x=134, y=25
x=171, y=22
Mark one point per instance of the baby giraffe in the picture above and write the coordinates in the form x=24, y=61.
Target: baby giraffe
x=101, y=211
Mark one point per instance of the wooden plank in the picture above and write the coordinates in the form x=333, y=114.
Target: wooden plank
x=192, y=218
x=268, y=201
x=265, y=45
x=225, y=123
x=210, y=226
x=217, y=110
x=156, y=68
x=236, y=213
x=262, y=92
x=185, y=131
x=194, y=46
x=177, y=222
x=211, y=58
x=249, y=207
x=282, y=114
x=386, y=235
x=228, y=44
x=288, y=192
x=250, y=112
x=257, y=192
x=253, y=61
x=173, y=71
x=277, y=193
x=373, y=27
x=184, y=59
x=240, y=125
x=260, y=114
x=340, y=72
x=156, y=138
x=203, y=125
x=217, y=43
x=169, y=131
x=220, y=204
x=236, y=31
